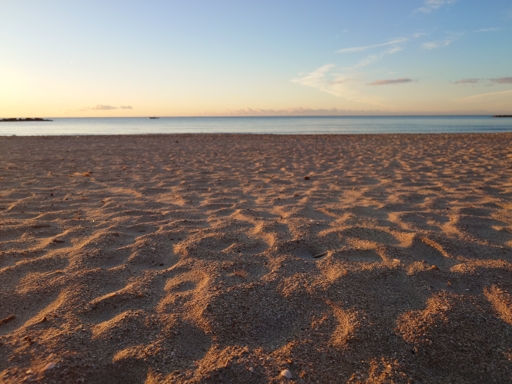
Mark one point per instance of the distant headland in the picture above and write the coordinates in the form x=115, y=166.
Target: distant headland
x=502, y=116
x=10, y=120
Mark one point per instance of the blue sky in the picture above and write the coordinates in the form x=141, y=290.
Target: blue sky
x=170, y=58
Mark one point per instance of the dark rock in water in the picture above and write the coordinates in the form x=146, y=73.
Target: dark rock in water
x=21, y=120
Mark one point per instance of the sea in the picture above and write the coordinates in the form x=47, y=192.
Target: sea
x=258, y=125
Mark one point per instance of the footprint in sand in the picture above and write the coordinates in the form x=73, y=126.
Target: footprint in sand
x=485, y=229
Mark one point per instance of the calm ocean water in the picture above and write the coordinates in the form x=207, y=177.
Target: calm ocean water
x=274, y=125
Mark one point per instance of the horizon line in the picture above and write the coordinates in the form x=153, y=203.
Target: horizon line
x=251, y=116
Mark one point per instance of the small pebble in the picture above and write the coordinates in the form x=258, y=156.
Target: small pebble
x=306, y=177
x=320, y=255
x=49, y=366
x=287, y=374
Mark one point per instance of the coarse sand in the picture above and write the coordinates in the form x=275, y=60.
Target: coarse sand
x=218, y=258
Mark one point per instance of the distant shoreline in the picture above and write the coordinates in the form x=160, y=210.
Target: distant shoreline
x=16, y=120
x=259, y=125
x=259, y=116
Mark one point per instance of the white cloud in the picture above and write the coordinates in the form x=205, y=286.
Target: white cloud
x=442, y=43
x=336, y=80
x=432, y=45
x=395, y=46
x=290, y=112
x=340, y=81
x=400, y=40
x=335, y=84
x=322, y=80
x=370, y=59
x=316, y=77
x=432, y=5
x=102, y=107
x=483, y=95
x=487, y=30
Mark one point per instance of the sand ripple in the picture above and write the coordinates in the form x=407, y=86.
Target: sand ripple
x=213, y=258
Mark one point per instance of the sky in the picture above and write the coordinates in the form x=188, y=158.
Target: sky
x=281, y=57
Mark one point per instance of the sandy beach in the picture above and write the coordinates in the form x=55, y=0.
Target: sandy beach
x=256, y=259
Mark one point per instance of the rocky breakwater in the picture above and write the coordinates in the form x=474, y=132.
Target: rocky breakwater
x=22, y=120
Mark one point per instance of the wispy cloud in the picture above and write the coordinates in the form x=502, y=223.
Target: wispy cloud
x=370, y=59
x=398, y=41
x=432, y=5
x=502, y=80
x=293, y=112
x=484, y=95
x=394, y=46
x=467, y=81
x=487, y=30
x=322, y=80
x=442, y=43
x=499, y=80
x=102, y=107
x=325, y=80
x=316, y=77
x=334, y=82
x=391, y=81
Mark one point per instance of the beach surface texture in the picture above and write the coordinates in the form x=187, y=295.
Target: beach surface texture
x=256, y=259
